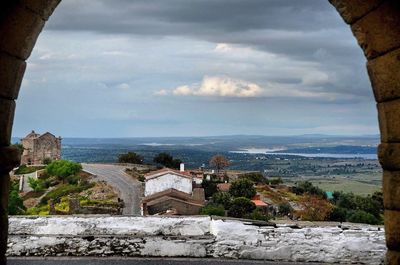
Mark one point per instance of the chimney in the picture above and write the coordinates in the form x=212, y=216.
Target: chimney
x=182, y=167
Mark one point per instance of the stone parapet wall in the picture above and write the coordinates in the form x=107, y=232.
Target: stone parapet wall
x=193, y=237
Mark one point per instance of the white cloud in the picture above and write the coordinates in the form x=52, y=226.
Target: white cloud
x=220, y=86
x=161, y=92
x=223, y=47
x=124, y=86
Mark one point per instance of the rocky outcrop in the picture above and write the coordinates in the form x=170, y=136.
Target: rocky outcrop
x=193, y=237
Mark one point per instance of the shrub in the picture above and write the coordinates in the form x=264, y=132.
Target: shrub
x=24, y=169
x=210, y=187
x=361, y=216
x=213, y=209
x=167, y=160
x=338, y=214
x=130, y=157
x=285, y=209
x=63, y=168
x=242, y=188
x=36, y=184
x=15, y=202
x=240, y=207
x=64, y=190
x=222, y=198
x=308, y=187
x=257, y=215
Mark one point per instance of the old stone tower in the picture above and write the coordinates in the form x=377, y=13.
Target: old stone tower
x=38, y=147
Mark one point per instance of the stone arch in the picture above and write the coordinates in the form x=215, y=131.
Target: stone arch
x=375, y=24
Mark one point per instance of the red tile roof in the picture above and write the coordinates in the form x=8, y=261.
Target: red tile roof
x=224, y=186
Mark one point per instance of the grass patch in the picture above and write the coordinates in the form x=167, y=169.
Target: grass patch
x=26, y=170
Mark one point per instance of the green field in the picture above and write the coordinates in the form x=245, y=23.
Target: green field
x=346, y=185
x=361, y=183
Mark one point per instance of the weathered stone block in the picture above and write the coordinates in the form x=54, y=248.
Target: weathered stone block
x=7, y=109
x=391, y=190
x=354, y=9
x=19, y=31
x=42, y=7
x=11, y=73
x=389, y=156
x=4, y=189
x=389, y=121
x=384, y=75
x=392, y=229
x=392, y=257
x=379, y=31
x=9, y=158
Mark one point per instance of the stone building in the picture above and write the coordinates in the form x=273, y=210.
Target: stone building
x=38, y=147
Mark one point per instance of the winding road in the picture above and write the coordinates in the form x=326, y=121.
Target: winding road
x=129, y=189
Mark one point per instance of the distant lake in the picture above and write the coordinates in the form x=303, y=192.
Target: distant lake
x=328, y=155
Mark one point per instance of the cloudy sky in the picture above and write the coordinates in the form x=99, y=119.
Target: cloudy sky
x=126, y=68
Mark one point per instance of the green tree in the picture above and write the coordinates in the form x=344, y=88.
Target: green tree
x=15, y=202
x=338, y=214
x=63, y=168
x=167, y=160
x=36, y=184
x=130, y=157
x=307, y=187
x=213, y=209
x=222, y=198
x=361, y=216
x=243, y=188
x=210, y=187
x=240, y=207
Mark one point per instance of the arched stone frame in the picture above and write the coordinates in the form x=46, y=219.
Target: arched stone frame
x=375, y=24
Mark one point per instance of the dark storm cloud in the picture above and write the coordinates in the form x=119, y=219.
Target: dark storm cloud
x=308, y=30
x=193, y=17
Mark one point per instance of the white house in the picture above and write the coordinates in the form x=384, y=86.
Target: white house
x=166, y=179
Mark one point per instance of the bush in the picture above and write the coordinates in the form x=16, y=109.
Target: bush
x=64, y=190
x=130, y=157
x=308, y=187
x=167, y=160
x=24, y=169
x=338, y=214
x=63, y=168
x=243, y=188
x=285, y=209
x=222, y=198
x=210, y=187
x=15, y=202
x=213, y=209
x=240, y=207
x=36, y=184
x=257, y=215
x=361, y=216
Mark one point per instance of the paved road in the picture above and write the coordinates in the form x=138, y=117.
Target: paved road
x=139, y=261
x=129, y=189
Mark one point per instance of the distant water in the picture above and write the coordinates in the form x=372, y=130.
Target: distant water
x=327, y=155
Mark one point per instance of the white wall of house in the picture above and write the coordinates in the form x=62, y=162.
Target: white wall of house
x=168, y=181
